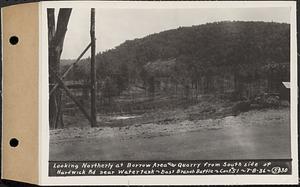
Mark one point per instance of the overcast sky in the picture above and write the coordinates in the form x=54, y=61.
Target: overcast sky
x=114, y=26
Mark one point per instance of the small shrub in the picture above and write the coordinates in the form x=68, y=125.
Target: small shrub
x=272, y=101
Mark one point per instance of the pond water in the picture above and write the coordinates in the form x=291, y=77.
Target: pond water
x=116, y=117
x=123, y=117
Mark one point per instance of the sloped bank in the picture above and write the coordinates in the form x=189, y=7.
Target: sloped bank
x=254, y=134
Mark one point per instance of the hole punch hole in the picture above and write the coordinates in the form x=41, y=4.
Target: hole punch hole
x=14, y=142
x=13, y=40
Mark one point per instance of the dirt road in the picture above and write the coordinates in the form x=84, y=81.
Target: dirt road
x=252, y=135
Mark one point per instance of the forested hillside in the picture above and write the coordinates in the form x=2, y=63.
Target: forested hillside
x=240, y=52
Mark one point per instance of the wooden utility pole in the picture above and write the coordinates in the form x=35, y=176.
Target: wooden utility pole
x=93, y=71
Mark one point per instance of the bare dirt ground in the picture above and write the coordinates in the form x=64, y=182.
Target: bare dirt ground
x=257, y=134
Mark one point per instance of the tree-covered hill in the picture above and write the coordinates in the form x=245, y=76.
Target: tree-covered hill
x=243, y=49
x=212, y=44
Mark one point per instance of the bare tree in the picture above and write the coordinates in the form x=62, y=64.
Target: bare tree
x=56, y=36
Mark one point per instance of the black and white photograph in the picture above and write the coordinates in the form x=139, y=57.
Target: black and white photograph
x=169, y=84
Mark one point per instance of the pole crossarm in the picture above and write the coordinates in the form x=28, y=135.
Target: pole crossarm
x=69, y=68
x=69, y=94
